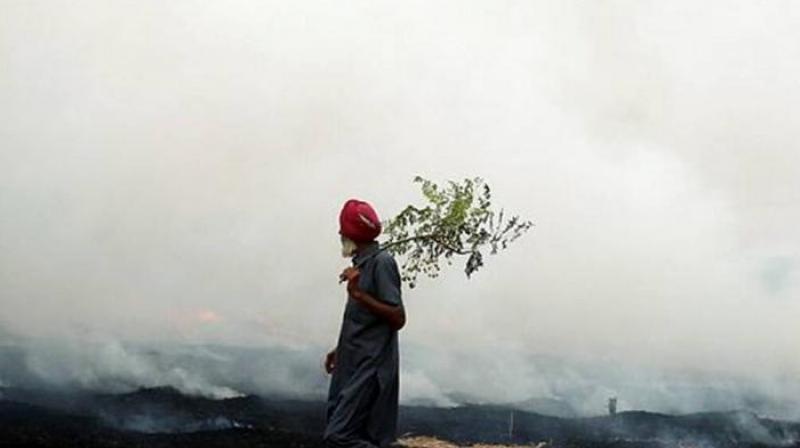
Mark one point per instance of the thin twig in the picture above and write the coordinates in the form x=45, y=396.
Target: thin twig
x=430, y=236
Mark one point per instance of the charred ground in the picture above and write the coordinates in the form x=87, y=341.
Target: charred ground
x=164, y=417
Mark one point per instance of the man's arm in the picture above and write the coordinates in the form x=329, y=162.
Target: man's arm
x=389, y=303
x=395, y=315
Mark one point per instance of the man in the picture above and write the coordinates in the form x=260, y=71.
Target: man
x=362, y=399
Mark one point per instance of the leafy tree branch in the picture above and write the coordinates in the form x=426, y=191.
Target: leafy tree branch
x=456, y=221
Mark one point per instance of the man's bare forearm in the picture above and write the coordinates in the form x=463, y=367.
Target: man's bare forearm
x=395, y=315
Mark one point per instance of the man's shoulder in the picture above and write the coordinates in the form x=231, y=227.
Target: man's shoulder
x=384, y=256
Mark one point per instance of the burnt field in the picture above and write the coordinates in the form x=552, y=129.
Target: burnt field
x=163, y=417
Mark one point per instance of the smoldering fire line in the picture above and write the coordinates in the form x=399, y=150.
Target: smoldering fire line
x=544, y=384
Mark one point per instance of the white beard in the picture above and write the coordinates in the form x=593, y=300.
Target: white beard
x=348, y=247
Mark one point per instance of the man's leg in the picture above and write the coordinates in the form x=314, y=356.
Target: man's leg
x=347, y=420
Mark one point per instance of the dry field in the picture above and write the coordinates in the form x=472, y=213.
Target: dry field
x=431, y=442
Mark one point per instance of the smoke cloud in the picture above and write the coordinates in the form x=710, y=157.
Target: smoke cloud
x=560, y=386
x=171, y=174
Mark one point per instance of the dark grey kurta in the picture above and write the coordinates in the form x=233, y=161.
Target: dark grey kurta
x=362, y=399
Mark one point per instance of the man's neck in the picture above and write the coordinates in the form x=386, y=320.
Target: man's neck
x=360, y=247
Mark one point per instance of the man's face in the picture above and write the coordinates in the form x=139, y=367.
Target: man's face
x=348, y=247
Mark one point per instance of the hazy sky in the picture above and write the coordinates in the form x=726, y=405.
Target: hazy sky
x=174, y=170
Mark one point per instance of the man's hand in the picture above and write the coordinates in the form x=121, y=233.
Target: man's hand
x=349, y=273
x=330, y=361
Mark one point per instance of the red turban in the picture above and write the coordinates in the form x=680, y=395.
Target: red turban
x=358, y=221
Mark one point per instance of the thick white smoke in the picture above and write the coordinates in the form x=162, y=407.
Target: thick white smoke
x=171, y=174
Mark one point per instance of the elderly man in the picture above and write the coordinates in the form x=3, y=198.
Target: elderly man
x=362, y=399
